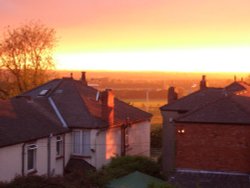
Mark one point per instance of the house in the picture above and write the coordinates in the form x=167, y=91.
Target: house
x=208, y=130
x=97, y=126
x=32, y=140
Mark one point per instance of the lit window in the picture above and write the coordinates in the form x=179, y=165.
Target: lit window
x=81, y=142
x=59, y=146
x=181, y=131
x=31, y=157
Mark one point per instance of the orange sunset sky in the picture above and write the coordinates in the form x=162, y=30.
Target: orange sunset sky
x=144, y=35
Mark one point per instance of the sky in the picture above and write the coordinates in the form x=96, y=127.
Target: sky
x=142, y=35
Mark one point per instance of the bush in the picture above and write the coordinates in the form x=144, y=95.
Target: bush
x=156, y=137
x=34, y=182
x=121, y=166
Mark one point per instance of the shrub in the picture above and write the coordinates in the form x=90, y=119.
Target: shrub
x=121, y=166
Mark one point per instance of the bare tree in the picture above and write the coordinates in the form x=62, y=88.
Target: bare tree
x=26, y=56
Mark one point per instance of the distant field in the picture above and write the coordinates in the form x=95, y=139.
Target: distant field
x=152, y=106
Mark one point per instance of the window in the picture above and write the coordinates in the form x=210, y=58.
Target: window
x=77, y=142
x=59, y=146
x=31, y=157
x=81, y=142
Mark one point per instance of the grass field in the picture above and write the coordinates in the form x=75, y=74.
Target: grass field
x=151, y=106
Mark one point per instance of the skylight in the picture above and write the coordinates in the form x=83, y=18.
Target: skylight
x=43, y=92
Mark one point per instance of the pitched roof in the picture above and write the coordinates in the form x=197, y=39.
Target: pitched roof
x=238, y=87
x=78, y=105
x=215, y=105
x=194, y=100
x=231, y=109
x=23, y=120
x=135, y=180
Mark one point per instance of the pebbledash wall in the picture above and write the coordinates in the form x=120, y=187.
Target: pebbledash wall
x=216, y=147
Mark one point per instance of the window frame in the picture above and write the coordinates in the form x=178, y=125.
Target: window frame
x=33, y=148
x=81, y=142
x=59, y=146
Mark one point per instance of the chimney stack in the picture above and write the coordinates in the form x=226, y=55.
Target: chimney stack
x=107, y=99
x=235, y=78
x=203, y=82
x=172, y=95
x=83, y=78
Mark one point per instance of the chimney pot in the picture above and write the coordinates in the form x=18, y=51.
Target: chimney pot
x=203, y=82
x=83, y=78
x=172, y=95
x=235, y=78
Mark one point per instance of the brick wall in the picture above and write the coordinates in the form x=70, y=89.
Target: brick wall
x=213, y=147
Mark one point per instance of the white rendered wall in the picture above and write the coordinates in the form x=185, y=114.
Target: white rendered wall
x=10, y=162
x=139, y=139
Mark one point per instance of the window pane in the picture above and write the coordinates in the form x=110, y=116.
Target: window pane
x=59, y=148
x=76, y=142
x=86, y=143
x=31, y=159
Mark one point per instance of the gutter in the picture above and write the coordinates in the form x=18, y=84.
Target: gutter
x=57, y=112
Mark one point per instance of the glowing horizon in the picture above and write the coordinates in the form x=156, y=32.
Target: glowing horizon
x=227, y=59
x=187, y=35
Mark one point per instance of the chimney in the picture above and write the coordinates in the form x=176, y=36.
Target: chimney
x=83, y=78
x=203, y=82
x=235, y=78
x=107, y=99
x=172, y=95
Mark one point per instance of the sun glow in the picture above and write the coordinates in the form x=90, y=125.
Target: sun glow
x=234, y=59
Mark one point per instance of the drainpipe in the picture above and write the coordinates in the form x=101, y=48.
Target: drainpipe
x=23, y=154
x=123, y=136
x=97, y=134
x=49, y=154
x=63, y=152
x=123, y=147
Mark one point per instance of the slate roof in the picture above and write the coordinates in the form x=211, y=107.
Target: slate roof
x=231, y=109
x=22, y=120
x=194, y=100
x=229, y=105
x=238, y=87
x=79, y=108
